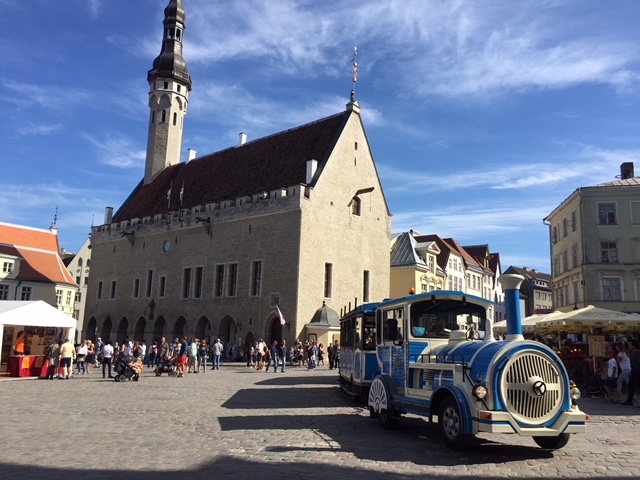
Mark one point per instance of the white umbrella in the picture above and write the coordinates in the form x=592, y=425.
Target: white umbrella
x=583, y=320
x=528, y=324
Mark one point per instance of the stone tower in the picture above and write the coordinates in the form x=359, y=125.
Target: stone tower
x=170, y=84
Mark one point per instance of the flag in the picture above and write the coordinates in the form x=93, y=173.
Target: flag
x=169, y=195
x=283, y=321
x=181, y=193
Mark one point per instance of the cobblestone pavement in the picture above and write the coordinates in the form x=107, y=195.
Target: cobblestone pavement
x=240, y=423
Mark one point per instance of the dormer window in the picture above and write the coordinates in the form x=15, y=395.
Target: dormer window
x=355, y=206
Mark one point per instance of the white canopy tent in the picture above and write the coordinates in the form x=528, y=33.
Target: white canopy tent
x=583, y=320
x=528, y=324
x=34, y=314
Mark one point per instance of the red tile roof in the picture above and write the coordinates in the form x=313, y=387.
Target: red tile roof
x=39, y=249
x=269, y=163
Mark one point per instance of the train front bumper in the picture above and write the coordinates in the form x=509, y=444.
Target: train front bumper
x=572, y=421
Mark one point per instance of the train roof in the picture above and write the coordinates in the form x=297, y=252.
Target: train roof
x=437, y=294
x=364, y=308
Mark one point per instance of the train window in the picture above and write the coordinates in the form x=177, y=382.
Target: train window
x=437, y=318
x=393, y=325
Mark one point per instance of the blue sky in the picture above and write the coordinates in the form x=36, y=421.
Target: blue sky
x=482, y=115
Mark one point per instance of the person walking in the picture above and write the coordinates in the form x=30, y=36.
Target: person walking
x=283, y=355
x=67, y=354
x=634, y=378
x=274, y=355
x=53, y=355
x=216, y=350
x=625, y=366
x=107, y=358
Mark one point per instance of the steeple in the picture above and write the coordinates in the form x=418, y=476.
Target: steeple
x=170, y=84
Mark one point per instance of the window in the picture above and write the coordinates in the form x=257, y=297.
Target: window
x=575, y=293
x=607, y=214
x=608, y=251
x=4, y=292
x=149, y=282
x=565, y=261
x=574, y=221
x=25, y=293
x=432, y=264
x=58, y=297
x=78, y=279
x=355, y=206
x=99, y=290
x=164, y=116
x=574, y=256
x=554, y=235
x=635, y=213
x=179, y=86
x=113, y=289
x=80, y=263
x=328, y=279
x=7, y=267
x=186, y=282
x=611, y=289
x=219, y=283
x=232, y=284
x=166, y=86
x=197, y=293
x=565, y=228
x=556, y=265
x=175, y=118
x=161, y=286
x=86, y=280
x=256, y=278
x=365, y=285
x=78, y=297
x=68, y=300
x=136, y=288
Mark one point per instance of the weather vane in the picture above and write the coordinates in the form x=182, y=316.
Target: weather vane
x=354, y=73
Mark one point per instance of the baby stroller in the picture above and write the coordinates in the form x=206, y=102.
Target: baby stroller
x=595, y=385
x=128, y=367
x=168, y=366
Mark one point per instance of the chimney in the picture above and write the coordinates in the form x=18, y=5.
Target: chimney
x=243, y=138
x=626, y=170
x=108, y=215
x=312, y=166
x=511, y=285
x=192, y=154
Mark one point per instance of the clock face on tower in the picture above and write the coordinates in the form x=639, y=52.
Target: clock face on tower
x=166, y=246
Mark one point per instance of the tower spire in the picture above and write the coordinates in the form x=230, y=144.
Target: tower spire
x=353, y=105
x=170, y=84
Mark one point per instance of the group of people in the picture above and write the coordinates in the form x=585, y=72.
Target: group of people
x=260, y=355
x=60, y=356
x=186, y=356
x=623, y=369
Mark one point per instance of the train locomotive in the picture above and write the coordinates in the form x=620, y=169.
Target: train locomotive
x=466, y=383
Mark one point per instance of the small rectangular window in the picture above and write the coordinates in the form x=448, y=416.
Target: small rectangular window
x=136, y=288
x=607, y=214
x=113, y=289
x=611, y=289
x=162, y=286
x=4, y=292
x=366, y=285
x=7, y=267
x=219, y=282
x=25, y=294
x=232, y=282
x=68, y=300
x=609, y=251
x=574, y=221
x=58, y=297
x=197, y=293
x=328, y=279
x=186, y=282
x=99, y=290
x=149, y=282
x=256, y=278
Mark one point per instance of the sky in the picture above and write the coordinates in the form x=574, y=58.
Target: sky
x=482, y=116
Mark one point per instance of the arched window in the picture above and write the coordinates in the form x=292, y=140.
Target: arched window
x=79, y=261
x=175, y=118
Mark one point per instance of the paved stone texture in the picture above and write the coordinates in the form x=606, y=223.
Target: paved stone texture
x=237, y=423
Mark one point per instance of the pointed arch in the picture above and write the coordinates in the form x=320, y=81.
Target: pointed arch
x=90, y=330
x=123, y=329
x=139, y=329
x=159, y=328
x=107, y=327
x=228, y=330
x=275, y=330
x=203, y=329
x=180, y=327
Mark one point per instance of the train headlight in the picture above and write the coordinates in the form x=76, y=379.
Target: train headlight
x=479, y=392
x=574, y=392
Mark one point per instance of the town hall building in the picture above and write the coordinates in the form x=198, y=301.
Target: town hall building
x=244, y=243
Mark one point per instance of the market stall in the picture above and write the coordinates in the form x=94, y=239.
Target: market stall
x=38, y=324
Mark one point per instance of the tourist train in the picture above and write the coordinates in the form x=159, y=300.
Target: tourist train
x=434, y=354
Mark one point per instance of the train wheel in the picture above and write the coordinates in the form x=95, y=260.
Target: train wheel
x=552, y=443
x=450, y=424
x=387, y=420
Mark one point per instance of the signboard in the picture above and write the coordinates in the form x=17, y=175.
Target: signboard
x=597, y=346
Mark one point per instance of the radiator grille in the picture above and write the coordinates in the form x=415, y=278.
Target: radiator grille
x=532, y=387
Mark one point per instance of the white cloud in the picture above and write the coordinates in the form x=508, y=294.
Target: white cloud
x=25, y=95
x=118, y=151
x=32, y=129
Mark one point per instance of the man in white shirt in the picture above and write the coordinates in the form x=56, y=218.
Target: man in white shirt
x=107, y=355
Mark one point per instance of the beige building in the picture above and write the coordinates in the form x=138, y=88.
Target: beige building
x=209, y=247
x=79, y=266
x=595, y=246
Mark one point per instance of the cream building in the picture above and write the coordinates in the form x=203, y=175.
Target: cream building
x=79, y=266
x=595, y=246
x=209, y=247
